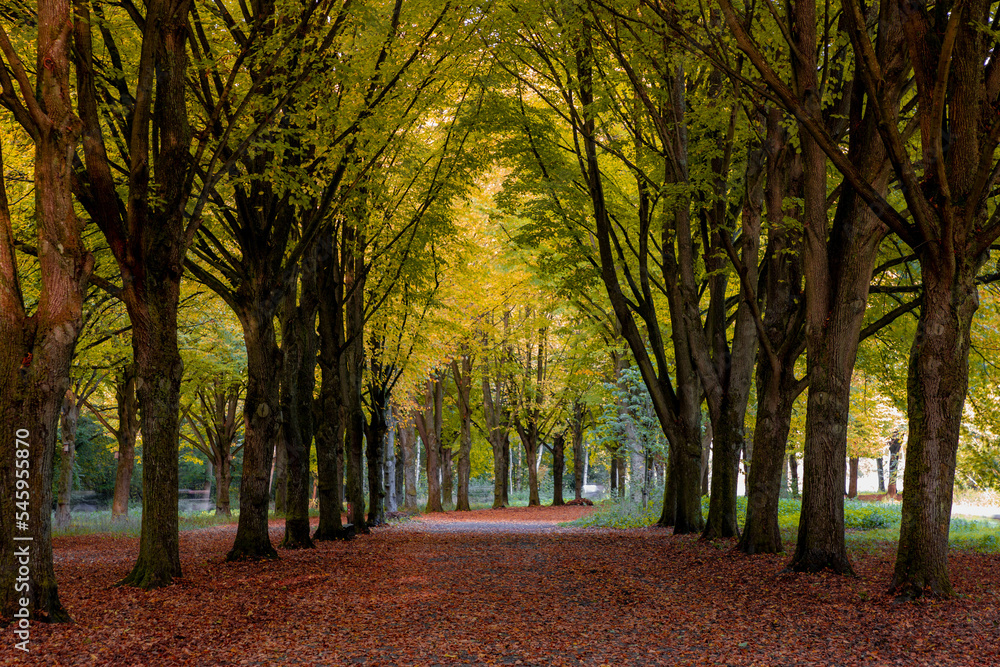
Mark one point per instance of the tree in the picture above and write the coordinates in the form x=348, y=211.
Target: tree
x=69, y=415
x=946, y=193
x=214, y=425
x=37, y=348
x=428, y=422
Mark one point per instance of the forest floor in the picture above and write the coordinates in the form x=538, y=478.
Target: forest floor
x=506, y=587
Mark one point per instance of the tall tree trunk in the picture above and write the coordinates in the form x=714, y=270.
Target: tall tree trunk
x=299, y=340
x=446, y=462
x=352, y=370
x=576, y=434
x=706, y=458
x=389, y=481
x=558, y=463
x=36, y=351
x=852, y=488
x=408, y=443
x=328, y=408
x=781, y=346
x=880, y=469
x=530, y=441
x=507, y=472
x=69, y=416
x=793, y=474
x=895, y=444
x=765, y=484
x=376, y=434
x=936, y=388
x=463, y=389
x=613, y=475
x=125, y=434
x=223, y=475
x=154, y=331
x=279, y=475
x=260, y=409
x=428, y=423
x=497, y=424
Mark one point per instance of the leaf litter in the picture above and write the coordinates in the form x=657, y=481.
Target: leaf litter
x=506, y=587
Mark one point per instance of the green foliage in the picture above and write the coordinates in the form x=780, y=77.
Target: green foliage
x=630, y=414
x=94, y=465
x=861, y=515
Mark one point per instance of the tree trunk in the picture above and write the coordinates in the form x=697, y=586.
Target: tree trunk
x=260, y=409
x=298, y=335
x=128, y=427
x=706, y=458
x=389, y=480
x=160, y=369
x=36, y=352
x=852, y=489
x=279, y=476
x=558, y=463
x=376, y=435
x=937, y=385
x=446, y=463
x=895, y=445
x=69, y=416
x=463, y=389
x=507, y=472
x=613, y=475
x=880, y=468
x=352, y=373
x=328, y=408
x=223, y=474
x=529, y=439
x=498, y=434
x=428, y=424
x=408, y=443
x=793, y=474
x=579, y=464
x=765, y=483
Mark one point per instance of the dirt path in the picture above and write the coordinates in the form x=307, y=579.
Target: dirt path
x=505, y=588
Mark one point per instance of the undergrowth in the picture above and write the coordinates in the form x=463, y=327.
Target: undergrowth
x=868, y=526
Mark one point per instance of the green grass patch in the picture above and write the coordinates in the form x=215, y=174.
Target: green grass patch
x=89, y=523
x=869, y=526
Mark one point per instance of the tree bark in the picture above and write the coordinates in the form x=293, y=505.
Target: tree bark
x=260, y=409
x=408, y=443
x=576, y=434
x=781, y=346
x=428, y=423
x=558, y=463
x=329, y=412
x=880, y=469
x=463, y=389
x=69, y=416
x=937, y=384
x=895, y=444
x=497, y=419
x=376, y=435
x=299, y=340
x=852, y=488
x=279, y=476
x=125, y=434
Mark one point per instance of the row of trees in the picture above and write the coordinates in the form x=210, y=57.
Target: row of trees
x=718, y=205
x=785, y=165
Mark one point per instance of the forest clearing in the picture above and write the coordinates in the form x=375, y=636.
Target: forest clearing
x=508, y=587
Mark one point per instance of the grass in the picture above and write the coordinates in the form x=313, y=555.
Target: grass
x=87, y=523
x=868, y=526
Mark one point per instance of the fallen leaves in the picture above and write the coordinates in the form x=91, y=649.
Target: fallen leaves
x=506, y=587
